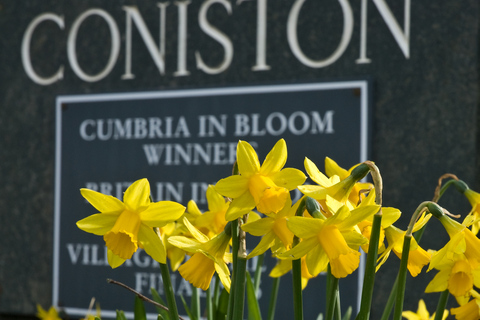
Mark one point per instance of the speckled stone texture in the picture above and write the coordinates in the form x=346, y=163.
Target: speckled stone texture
x=424, y=123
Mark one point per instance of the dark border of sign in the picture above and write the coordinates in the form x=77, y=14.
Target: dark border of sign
x=365, y=129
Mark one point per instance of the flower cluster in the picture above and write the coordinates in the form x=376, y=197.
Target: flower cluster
x=338, y=216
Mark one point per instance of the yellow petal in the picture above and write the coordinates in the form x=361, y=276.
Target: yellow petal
x=469, y=311
x=259, y=227
x=233, y=186
x=276, y=158
x=113, y=260
x=137, y=196
x=102, y=202
x=282, y=267
x=98, y=224
x=216, y=202
x=333, y=169
x=358, y=215
x=305, y=227
x=223, y=274
x=300, y=249
x=199, y=236
x=315, y=174
x=439, y=282
x=240, y=206
x=247, y=159
x=160, y=213
x=389, y=216
x=265, y=243
x=152, y=244
x=289, y=178
x=316, y=260
x=193, y=209
x=184, y=243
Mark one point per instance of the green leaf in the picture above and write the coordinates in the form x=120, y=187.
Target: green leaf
x=222, y=307
x=156, y=297
x=187, y=309
x=121, y=315
x=139, y=312
x=97, y=318
x=252, y=301
x=348, y=314
x=320, y=316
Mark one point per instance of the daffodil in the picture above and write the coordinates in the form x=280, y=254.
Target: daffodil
x=462, y=241
x=339, y=189
x=474, y=215
x=274, y=231
x=333, y=169
x=422, y=313
x=51, y=314
x=209, y=256
x=469, y=310
x=458, y=276
x=212, y=220
x=265, y=187
x=389, y=216
x=128, y=225
x=330, y=240
x=417, y=256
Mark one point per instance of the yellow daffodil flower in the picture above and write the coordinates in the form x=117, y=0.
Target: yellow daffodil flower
x=274, y=231
x=422, y=313
x=339, y=189
x=213, y=220
x=417, y=256
x=285, y=265
x=174, y=254
x=128, y=225
x=474, y=215
x=333, y=169
x=458, y=276
x=389, y=216
x=469, y=310
x=330, y=240
x=209, y=256
x=266, y=186
x=462, y=241
x=51, y=314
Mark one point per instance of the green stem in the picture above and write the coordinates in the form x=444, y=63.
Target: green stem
x=235, y=244
x=273, y=298
x=297, y=289
x=338, y=308
x=369, y=277
x=209, y=304
x=297, y=272
x=332, y=287
x=195, y=307
x=402, y=278
x=442, y=303
x=390, y=302
x=167, y=287
x=258, y=272
x=239, y=294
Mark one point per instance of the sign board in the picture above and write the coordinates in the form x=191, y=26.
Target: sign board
x=182, y=141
